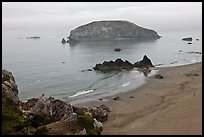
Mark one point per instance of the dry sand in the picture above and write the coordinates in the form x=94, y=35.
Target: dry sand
x=172, y=105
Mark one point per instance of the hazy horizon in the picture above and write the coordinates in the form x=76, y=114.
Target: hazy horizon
x=64, y=16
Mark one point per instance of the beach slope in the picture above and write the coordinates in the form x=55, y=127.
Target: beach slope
x=172, y=105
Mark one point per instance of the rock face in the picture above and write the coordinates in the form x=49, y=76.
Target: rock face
x=9, y=87
x=188, y=39
x=111, y=30
x=144, y=63
x=119, y=64
x=53, y=108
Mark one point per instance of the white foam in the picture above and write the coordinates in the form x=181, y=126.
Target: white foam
x=125, y=84
x=82, y=93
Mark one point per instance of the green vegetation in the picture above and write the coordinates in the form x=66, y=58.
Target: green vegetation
x=87, y=122
x=12, y=118
x=39, y=119
x=5, y=77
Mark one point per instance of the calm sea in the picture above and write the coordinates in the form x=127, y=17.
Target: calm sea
x=46, y=66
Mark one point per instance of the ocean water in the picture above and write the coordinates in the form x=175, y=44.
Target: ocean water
x=37, y=64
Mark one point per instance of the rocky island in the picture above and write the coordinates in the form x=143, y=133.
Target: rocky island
x=111, y=30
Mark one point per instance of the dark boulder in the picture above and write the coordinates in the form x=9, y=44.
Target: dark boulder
x=189, y=42
x=116, y=98
x=63, y=41
x=144, y=63
x=188, y=39
x=159, y=76
x=117, y=49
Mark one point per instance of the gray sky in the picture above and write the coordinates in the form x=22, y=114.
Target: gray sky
x=69, y=15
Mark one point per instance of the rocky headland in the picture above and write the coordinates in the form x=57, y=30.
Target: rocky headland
x=46, y=115
x=111, y=30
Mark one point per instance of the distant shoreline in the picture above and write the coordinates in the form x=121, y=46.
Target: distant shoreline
x=172, y=105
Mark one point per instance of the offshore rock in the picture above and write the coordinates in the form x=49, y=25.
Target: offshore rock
x=118, y=64
x=63, y=41
x=188, y=39
x=117, y=49
x=144, y=63
x=111, y=30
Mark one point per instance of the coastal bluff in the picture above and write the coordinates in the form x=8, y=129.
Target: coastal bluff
x=46, y=115
x=111, y=30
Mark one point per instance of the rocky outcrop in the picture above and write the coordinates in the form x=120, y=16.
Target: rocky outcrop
x=27, y=106
x=63, y=41
x=119, y=64
x=144, y=63
x=100, y=113
x=9, y=87
x=55, y=109
x=111, y=30
x=188, y=39
x=46, y=115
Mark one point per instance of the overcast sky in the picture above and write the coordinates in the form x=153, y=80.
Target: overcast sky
x=69, y=15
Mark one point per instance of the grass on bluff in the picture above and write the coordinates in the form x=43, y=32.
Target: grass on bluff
x=12, y=118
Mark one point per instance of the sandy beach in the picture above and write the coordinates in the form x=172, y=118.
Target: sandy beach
x=171, y=106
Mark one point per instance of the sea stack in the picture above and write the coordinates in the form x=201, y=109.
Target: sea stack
x=111, y=30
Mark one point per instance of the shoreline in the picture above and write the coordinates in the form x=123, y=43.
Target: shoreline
x=172, y=105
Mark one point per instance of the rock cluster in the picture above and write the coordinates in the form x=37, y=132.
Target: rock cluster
x=119, y=64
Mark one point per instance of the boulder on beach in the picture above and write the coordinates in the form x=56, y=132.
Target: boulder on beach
x=159, y=76
x=111, y=30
